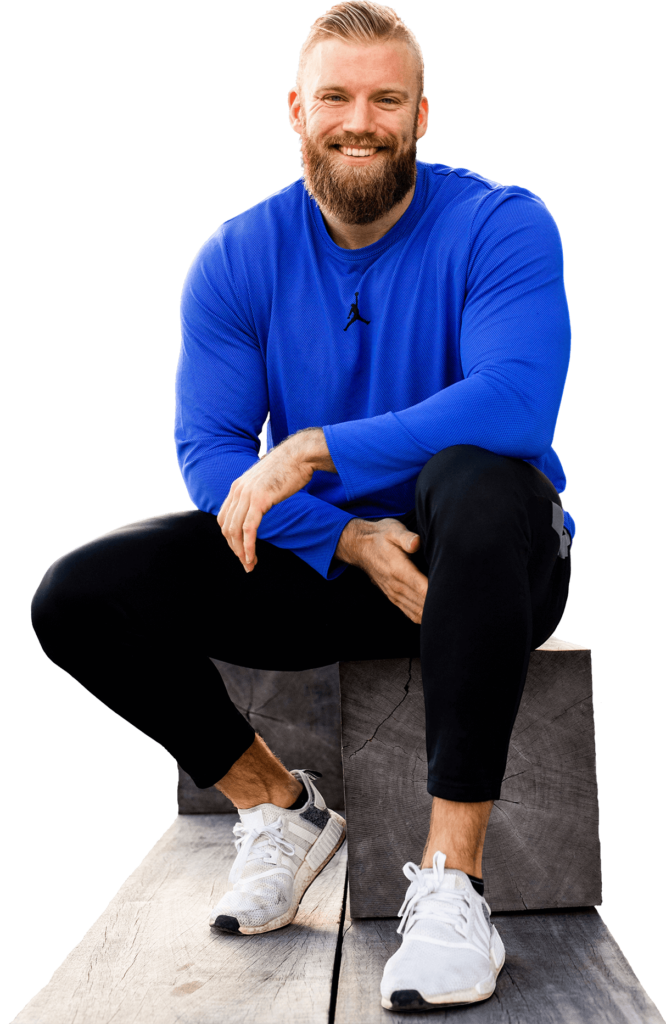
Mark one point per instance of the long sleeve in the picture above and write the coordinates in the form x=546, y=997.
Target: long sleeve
x=221, y=406
x=464, y=339
x=514, y=354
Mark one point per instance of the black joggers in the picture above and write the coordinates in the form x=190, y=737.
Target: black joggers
x=136, y=616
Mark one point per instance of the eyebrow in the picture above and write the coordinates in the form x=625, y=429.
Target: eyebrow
x=377, y=92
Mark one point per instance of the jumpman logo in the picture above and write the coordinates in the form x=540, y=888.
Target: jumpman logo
x=354, y=314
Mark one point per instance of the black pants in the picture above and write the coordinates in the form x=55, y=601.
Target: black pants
x=136, y=616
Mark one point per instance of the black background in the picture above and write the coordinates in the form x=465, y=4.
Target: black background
x=137, y=190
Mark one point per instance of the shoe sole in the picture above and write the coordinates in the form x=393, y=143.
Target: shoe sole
x=411, y=1000
x=303, y=879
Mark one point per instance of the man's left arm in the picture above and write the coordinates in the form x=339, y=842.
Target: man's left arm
x=514, y=350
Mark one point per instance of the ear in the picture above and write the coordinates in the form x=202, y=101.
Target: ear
x=294, y=108
x=422, y=120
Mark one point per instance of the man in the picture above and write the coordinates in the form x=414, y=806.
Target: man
x=408, y=505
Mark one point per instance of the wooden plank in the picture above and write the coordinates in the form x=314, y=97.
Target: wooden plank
x=562, y=967
x=542, y=848
x=297, y=713
x=152, y=958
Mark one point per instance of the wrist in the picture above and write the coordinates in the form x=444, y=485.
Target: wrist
x=353, y=541
x=311, y=448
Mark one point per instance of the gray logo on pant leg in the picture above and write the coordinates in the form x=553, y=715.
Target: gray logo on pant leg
x=558, y=526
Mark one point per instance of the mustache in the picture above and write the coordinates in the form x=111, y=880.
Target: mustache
x=361, y=145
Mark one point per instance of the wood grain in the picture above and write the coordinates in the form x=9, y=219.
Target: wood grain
x=562, y=967
x=151, y=958
x=542, y=848
x=297, y=713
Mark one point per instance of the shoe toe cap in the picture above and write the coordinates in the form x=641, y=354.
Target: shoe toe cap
x=407, y=999
x=423, y=970
x=226, y=923
x=249, y=910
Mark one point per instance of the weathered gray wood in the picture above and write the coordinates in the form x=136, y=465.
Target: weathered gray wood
x=542, y=848
x=297, y=713
x=562, y=967
x=152, y=958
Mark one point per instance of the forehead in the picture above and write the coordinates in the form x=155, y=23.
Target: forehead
x=360, y=67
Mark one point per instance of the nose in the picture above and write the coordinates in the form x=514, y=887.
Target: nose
x=360, y=118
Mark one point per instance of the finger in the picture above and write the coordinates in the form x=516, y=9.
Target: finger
x=230, y=528
x=410, y=542
x=222, y=514
x=236, y=522
x=228, y=504
x=226, y=514
x=250, y=527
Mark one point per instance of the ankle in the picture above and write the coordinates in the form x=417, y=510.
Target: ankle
x=471, y=865
x=281, y=794
x=257, y=777
x=285, y=794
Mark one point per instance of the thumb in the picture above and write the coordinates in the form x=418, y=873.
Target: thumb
x=410, y=542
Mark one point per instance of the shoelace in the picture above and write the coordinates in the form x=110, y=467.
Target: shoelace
x=249, y=849
x=427, y=886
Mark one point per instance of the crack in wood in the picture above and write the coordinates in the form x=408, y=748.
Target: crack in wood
x=249, y=713
x=390, y=714
x=337, y=959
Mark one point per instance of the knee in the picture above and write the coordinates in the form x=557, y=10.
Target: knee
x=467, y=492
x=461, y=469
x=59, y=600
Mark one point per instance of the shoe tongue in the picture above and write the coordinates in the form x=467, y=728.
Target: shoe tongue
x=452, y=879
x=253, y=817
x=256, y=817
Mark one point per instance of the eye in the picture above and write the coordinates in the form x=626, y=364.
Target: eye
x=383, y=99
x=388, y=100
x=333, y=99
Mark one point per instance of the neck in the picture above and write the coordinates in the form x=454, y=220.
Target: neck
x=356, y=236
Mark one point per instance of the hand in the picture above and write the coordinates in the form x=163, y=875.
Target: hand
x=279, y=474
x=381, y=550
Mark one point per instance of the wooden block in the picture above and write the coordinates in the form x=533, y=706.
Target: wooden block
x=542, y=848
x=562, y=967
x=297, y=713
x=152, y=958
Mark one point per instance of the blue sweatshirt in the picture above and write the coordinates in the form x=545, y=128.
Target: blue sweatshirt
x=451, y=329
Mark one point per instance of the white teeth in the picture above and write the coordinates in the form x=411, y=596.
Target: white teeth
x=348, y=151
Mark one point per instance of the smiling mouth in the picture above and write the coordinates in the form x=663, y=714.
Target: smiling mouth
x=349, y=156
x=358, y=152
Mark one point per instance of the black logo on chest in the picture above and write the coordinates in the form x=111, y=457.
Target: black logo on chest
x=355, y=311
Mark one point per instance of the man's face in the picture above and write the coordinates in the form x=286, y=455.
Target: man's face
x=359, y=118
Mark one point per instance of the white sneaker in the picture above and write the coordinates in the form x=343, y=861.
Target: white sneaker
x=280, y=853
x=450, y=952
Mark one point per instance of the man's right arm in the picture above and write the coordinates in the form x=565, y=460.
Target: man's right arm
x=221, y=406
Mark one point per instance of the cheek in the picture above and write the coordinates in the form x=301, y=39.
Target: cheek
x=322, y=120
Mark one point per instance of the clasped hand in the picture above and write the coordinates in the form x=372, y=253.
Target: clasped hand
x=277, y=475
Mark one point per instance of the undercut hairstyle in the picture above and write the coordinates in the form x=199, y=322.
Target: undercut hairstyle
x=362, y=21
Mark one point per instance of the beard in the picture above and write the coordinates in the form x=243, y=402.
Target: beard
x=359, y=195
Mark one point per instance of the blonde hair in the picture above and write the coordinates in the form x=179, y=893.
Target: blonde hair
x=362, y=21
